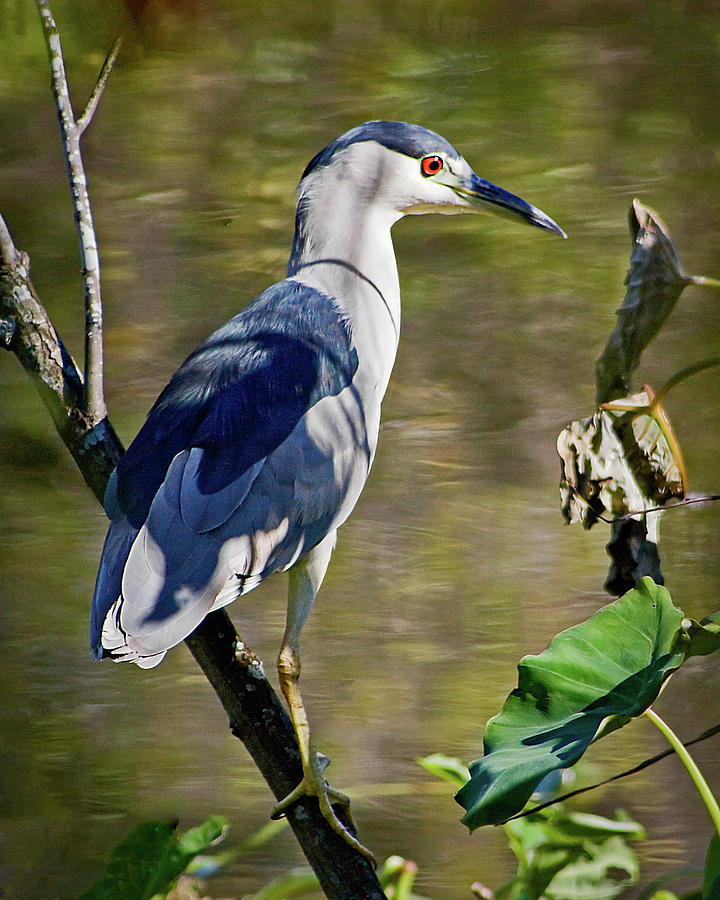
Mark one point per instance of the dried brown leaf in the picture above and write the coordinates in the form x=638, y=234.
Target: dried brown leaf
x=620, y=461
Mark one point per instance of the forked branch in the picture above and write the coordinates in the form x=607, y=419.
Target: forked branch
x=96, y=93
x=93, y=403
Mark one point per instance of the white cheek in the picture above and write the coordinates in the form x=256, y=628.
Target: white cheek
x=431, y=196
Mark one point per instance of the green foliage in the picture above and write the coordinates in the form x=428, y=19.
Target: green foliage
x=561, y=855
x=711, y=887
x=207, y=866
x=571, y=856
x=397, y=878
x=591, y=679
x=155, y=863
x=446, y=768
x=297, y=883
x=151, y=858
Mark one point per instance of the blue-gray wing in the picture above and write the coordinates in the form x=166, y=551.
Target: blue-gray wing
x=254, y=452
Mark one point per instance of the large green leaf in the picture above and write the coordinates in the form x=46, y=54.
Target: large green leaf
x=591, y=679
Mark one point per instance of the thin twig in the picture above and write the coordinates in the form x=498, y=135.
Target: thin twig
x=687, y=501
x=711, y=732
x=93, y=397
x=26, y=330
x=94, y=98
x=640, y=513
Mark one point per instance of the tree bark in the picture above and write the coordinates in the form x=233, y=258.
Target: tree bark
x=260, y=721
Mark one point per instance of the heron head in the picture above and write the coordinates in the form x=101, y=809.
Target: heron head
x=409, y=170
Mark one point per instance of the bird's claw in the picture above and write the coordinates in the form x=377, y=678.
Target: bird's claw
x=314, y=785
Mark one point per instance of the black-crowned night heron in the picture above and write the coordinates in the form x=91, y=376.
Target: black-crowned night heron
x=257, y=450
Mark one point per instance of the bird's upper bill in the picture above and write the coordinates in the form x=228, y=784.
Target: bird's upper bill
x=481, y=195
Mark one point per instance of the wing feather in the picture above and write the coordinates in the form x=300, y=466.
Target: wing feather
x=251, y=455
x=205, y=511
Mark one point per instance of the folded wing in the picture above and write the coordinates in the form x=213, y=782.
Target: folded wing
x=251, y=455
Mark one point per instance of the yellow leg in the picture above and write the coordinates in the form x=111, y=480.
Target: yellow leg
x=305, y=578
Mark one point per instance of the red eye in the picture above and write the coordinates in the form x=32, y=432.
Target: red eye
x=431, y=165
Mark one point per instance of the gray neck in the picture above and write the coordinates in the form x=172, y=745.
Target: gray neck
x=336, y=221
x=343, y=246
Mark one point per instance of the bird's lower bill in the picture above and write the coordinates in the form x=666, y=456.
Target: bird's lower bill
x=484, y=196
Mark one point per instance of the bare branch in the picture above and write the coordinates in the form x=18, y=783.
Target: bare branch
x=93, y=398
x=94, y=98
x=259, y=719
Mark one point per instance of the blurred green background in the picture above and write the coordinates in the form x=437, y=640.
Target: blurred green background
x=456, y=561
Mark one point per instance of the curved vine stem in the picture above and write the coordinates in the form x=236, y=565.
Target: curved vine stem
x=692, y=369
x=694, y=772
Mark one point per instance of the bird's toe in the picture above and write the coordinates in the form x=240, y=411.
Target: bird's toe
x=313, y=784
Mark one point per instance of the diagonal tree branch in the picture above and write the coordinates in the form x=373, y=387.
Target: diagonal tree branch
x=255, y=712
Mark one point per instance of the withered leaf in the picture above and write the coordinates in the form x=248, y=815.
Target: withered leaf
x=622, y=460
x=654, y=284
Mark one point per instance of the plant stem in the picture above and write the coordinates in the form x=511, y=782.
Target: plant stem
x=703, y=789
x=702, y=280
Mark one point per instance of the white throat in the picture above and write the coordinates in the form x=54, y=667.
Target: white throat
x=343, y=247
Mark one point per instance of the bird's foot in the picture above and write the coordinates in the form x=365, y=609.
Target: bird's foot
x=313, y=784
